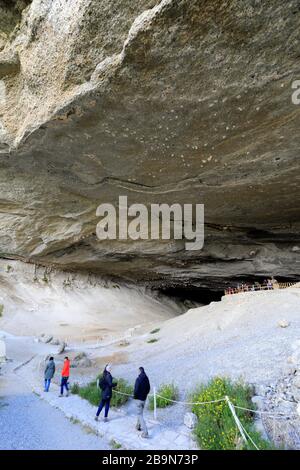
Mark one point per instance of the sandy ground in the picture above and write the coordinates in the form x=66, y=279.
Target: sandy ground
x=74, y=306
x=238, y=337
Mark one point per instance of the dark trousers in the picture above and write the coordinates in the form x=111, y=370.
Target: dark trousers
x=103, y=403
x=64, y=384
x=47, y=384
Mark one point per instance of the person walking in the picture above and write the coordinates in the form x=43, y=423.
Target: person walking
x=49, y=373
x=65, y=374
x=141, y=390
x=106, y=385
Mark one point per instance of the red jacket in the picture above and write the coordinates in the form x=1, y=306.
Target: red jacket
x=66, y=369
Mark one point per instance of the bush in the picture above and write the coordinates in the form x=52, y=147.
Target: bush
x=166, y=391
x=216, y=428
x=154, y=331
x=91, y=393
x=1, y=310
x=122, y=386
x=152, y=340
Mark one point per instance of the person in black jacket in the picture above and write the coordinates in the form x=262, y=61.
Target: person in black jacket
x=141, y=390
x=106, y=385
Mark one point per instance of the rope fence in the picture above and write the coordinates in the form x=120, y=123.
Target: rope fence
x=243, y=432
x=271, y=285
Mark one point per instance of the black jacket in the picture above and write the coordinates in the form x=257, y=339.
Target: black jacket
x=107, y=392
x=142, y=387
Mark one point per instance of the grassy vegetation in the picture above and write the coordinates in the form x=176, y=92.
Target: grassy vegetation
x=216, y=428
x=169, y=391
x=154, y=331
x=1, y=310
x=91, y=393
x=152, y=340
x=114, y=444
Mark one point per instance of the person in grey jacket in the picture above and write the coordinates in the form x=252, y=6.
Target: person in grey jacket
x=49, y=373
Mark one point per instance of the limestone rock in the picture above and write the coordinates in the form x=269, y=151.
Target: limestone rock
x=296, y=393
x=296, y=381
x=2, y=351
x=283, y=323
x=46, y=338
x=162, y=101
x=81, y=360
x=190, y=420
x=61, y=347
x=258, y=401
x=55, y=342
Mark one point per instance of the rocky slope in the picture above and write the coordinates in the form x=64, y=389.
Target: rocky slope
x=171, y=101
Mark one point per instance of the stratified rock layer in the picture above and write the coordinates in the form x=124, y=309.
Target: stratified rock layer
x=172, y=101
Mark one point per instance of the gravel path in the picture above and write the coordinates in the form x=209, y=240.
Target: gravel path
x=27, y=422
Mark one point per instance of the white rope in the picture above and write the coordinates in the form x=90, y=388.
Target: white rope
x=278, y=415
x=191, y=403
x=122, y=393
x=248, y=435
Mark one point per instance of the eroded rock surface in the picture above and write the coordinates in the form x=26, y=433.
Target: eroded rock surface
x=172, y=101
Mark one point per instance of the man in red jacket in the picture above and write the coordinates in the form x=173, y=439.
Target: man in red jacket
x=65, y=374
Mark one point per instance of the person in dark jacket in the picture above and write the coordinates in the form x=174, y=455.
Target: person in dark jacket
x=141, y=390
x=106, y=385
x=49, y=373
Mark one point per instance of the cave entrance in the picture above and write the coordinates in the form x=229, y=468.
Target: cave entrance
x=193, y=296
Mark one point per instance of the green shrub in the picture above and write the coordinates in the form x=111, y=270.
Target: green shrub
x=166, y=391
x=152, y=340
x=1, y=310
x=216, y=428
x=115, y=444
x=91, y=393
x=154, y=331
x=122, y=386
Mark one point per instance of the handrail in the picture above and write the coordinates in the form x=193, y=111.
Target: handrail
x=257, y=287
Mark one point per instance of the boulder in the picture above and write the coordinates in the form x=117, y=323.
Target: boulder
x=283, y=323
x=61, y=347
x=46, y=338
x=296, y=393
x=190, y=420
x=260, y=389
x=296, y=381
x=258, y=401
x=79, y=356
x=84, y=362
x=55, y=342
x=2, y=351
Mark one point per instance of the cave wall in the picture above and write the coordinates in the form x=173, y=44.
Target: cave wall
x=172, y=101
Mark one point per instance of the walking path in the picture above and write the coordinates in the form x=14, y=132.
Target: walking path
x=28, y=423
x=120, y=428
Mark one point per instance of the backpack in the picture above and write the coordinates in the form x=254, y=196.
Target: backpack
x=101, y=383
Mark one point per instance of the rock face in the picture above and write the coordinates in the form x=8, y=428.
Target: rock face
x=2, y=351
x=171, y=101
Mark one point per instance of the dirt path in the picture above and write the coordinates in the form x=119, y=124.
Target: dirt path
x=27, y=422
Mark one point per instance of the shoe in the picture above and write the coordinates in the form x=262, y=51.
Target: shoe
x=145, y=435
x=106, y=420
x=138, y=428
x=96, y=418
x=60, y=395
x=67, y=394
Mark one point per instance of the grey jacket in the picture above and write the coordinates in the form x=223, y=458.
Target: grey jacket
x=50, y=370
